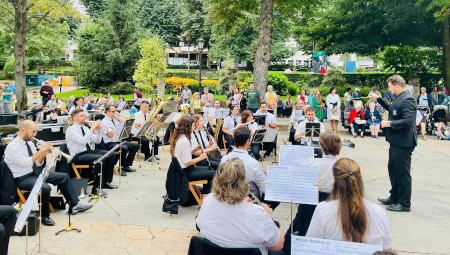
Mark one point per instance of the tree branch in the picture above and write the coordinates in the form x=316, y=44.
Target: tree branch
x=41, y=18
x=30, y=6
x=3, y=7
x=7, y=24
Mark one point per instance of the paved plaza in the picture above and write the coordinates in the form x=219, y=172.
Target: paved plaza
x=142, y=228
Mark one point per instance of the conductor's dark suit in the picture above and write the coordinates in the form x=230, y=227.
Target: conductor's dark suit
x=402, y=136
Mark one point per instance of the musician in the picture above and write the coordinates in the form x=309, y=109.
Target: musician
x=229, y=220
x=180, y=141
x=110, y=139
x=301, y=128
x=212, y=117
x=7, y=222
x=208, y=146
x=271, y=123
x=253, y=171
x=139, y=120
x=79, y=104
x=229, y=124
x=247, y=121
x=24, y=160
x=78, y=139
x=297, y=116
x=331, y=145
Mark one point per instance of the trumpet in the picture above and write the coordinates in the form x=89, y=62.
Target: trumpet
x=59, y=153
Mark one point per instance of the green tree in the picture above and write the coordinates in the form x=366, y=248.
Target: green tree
x=162, y=18
x=152, y=64
x=94, y=7
x=196, y=22
x=48, y=41
x=22, y=16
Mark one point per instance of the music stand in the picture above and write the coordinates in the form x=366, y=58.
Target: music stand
x=312, y=131
x=121, y=105
x=128, y=104
x=260, y=119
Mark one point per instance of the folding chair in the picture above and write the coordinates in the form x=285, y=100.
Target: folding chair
x=195, y=191
x=23, y=200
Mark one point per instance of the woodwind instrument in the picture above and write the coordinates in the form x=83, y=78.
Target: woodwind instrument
x=202, y=149
x=211, y=138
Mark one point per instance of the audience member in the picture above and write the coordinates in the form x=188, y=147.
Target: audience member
x=443, y=130
x=288, y=104
x=357, y=119
x=334, y=109
x=373, y=119
x=34, y=106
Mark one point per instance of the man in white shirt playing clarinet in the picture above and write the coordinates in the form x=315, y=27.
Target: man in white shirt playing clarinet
x=128, y=149
x=140, y=118
x=24, y=160
x=271, y=123
x=79, y=138
x=229, y=124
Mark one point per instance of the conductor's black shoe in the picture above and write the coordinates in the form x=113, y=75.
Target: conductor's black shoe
x=123, y=173
x=398, y=208
x=80, y=208
x=47, y=221
x=109, y=186
x=127, y=169
x=386, y=201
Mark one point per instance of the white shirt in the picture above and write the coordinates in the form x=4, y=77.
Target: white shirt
x=242, y=225
x=212, y=115
x=326, y=225
x=182, y=154
x=270, y=118
x=108, y=125
x=301, y=128
x=194, y=143
x=148, y=100
x=229, y=122
x=78, y=107
x=138, y=118
x=297, y=116
x=410, y=88
x=18, y=159
x=76, y=142
x=253, y=170
x=325, y=171
x=423, y=99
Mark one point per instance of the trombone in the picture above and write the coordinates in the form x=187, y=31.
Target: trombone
x=59, y=153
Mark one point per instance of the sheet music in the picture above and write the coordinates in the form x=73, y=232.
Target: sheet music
x=271, y=135
x=118, y=131
x=301, y=245
x=121, y=105
x=296, y=184
x=295, y=155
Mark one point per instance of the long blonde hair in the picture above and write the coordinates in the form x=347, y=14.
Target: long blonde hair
x=229, y=184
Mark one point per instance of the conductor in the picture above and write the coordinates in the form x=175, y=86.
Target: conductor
x=401, y=133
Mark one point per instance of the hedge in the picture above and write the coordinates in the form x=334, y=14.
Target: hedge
x=204, y=67
x=182, y=74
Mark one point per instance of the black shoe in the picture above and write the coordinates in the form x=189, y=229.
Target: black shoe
x=398, y=208
x=386, y=201
x=127, y=169
x=96, y=191
x=123, y=173
x=109, y=186
x=80, y=208
x=47, y=221
x=157, y=158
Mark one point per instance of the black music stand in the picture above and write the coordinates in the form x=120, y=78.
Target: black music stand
x=260, y=119
x=312, y=131
x=128, y=104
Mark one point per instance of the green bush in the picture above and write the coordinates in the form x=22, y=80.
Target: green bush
x=333, y=78
x=292, y=90
x=244, y=76
x=279, y=82
x=182, y=74
x=204, y=67
x=8, y=68
x=193, y=86
x=32, y=62
x=122, y=88
x=4, y=59
x=3, y=75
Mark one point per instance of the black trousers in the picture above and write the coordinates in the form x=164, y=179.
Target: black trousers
x=256, y=148
x=301, y=221
x=145, y=146
x=229, y=140
x=399, y=168
x=86, y=158
x=129, y=151
x=62, y=180
x=215, y=162
x=197, y=173
x=7, y=222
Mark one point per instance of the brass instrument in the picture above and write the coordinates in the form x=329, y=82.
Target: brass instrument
x=153, y=117
x=219, y=123
x=185, y=109
x=59, y=153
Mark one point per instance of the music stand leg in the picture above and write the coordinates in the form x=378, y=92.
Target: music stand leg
x=69, y=227
x=100, y=193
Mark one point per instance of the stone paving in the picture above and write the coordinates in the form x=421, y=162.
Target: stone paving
x=142, y=228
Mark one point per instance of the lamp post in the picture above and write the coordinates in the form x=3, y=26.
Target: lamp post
x=200, y=45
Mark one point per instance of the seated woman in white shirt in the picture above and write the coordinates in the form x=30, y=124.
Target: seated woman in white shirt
x=331, y=145
x=208, y=146
x=228, y=219
x=347, y=216
x=180, y=148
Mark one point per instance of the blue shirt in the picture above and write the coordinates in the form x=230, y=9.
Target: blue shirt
x=7, y=97
x=441, y=99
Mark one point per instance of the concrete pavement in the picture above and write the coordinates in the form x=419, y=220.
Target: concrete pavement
x=426, y=229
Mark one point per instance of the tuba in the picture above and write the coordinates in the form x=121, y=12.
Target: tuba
x=184, y=108
x=160, y=102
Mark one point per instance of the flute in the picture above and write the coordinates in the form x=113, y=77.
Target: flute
x=202, y=149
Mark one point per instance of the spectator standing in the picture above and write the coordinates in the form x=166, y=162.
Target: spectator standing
x=280, y=107
x=86, y=95
x=271, y=98
x=435, y=95
x=311, y=96
x=207, y=103
x=243, y=102
x=303, y=97
x=348, y=99
x=230, y=97
x=146, y=99
x=138, y=98
x=317, y=105
x=237, y=97
x=443, y=98
x=410, y=87
x=187, y=93
x=333, y=109
x=6, y=94
x=46, y=92
x=196, y=103
x=253, y=97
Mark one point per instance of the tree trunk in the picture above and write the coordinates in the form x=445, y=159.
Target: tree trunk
x=262, y=55
x=19, y=52
x=446, y=51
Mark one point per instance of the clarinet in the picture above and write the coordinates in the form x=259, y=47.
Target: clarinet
x=210, y=137
x=255, y=200
x=202, y=149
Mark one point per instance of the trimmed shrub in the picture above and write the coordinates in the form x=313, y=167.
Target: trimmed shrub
x=333, y=78
x=243, y=76
x=122, y=88
x=4, y=59
x=213, y=85
x=292, y=90
x=9, y=68
x=193, y=86
x=279, y=82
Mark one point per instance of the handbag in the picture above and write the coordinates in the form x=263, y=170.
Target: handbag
x=361, y=122
x=334, y=116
